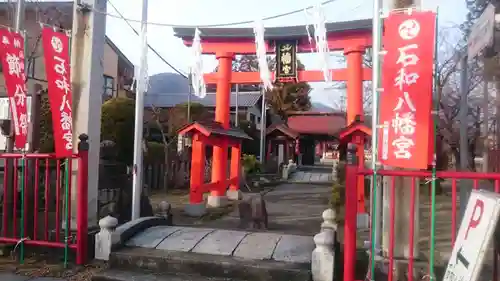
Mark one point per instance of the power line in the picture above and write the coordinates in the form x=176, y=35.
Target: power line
x=120, y=16
x=149, y=46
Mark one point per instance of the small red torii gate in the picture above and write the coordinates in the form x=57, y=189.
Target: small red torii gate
x=352, y=37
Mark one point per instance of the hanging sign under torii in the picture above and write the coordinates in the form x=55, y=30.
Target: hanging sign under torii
x=286, y=61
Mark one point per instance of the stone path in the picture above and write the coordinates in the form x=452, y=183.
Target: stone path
x=240, y=244
x=13, y=277
x=294, y=218
x=312, y=174
x=292, y=209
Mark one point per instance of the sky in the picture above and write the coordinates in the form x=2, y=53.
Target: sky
x=202, y=12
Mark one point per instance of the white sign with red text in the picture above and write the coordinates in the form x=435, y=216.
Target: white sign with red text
x=474, y=236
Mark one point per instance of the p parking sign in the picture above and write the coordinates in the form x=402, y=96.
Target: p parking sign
x=474, y=236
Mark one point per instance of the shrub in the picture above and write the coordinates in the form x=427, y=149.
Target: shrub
x=337, y=197
x=46, y=131
x=155, y=153
x=117, y=125
x=250, y=164
x=341, y=171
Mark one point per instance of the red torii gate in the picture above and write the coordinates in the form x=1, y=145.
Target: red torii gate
x=353, y=37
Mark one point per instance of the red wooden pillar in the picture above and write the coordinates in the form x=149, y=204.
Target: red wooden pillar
x=82, y=211
x=197, y=170
x=360, y=153
x=350, y=214
x=235, y=167
x=354, y=56
x=222, y=105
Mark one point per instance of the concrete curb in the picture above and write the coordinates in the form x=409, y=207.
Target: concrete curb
x=171, y=262
x=126, y=231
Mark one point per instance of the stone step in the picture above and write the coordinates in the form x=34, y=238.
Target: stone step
x=165, y=263
x=121, y=275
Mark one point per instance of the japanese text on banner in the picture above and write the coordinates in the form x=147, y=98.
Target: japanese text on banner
x=405, y=105
x=12, y=56
x=57, y=67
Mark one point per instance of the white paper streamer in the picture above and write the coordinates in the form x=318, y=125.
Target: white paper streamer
x=309, y=37
x=261, y=52
x=196, y=67
x=321, y=40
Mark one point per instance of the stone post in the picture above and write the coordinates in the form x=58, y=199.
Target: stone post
x=166, y=212
x=323, y=257
x=329, y=216
x=104, y=239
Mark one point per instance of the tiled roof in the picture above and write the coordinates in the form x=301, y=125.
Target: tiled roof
x=215, y=128
x=288, y=32
x=323, y=124
x=245, y=99
x=320, y=123
x=283, y=129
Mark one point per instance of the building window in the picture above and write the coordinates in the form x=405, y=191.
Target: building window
x=109, y=87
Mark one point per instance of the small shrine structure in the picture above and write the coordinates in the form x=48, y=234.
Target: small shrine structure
x=358, y=133
x=351, y=37
x=203, y=134
x=281, y=142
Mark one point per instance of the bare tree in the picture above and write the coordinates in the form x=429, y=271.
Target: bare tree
x=449, y=95
x=156, y=114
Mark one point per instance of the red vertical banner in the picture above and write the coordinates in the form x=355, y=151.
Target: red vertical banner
x=406, y=102
x=12, y=55
x=57, y=68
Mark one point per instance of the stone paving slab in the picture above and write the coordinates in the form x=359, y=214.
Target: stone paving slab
x=241, y=244
x=311, y=177
x=294, y=248
x=151, y=237
x=220, y=242
x=257, y=246
x=185, y=239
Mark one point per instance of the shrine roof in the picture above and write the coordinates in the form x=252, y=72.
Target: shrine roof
x=356, y=126
x=214, y=128
x=284, y=129
x=321, y=123
x=285, y=32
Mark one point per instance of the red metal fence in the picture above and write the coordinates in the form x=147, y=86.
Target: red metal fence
x=36, y=201
x=449, y=195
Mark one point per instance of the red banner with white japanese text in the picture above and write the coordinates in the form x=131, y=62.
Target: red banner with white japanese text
x=12, y=55
x=407, y=79
x=57, y=68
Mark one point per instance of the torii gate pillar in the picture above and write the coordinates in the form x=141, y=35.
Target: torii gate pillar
x=217, y=196
x=354, y=55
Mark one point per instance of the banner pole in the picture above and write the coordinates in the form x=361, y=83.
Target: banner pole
x=375, y=194
x=433, y=183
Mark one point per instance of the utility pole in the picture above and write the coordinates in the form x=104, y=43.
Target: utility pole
x=464, y=155
x=263, y=122
x=236, y=113
x=486, y=122
x=402, y=196
x=87, y=81
x=190, y=92
x=139, y=116
x=19, y=19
